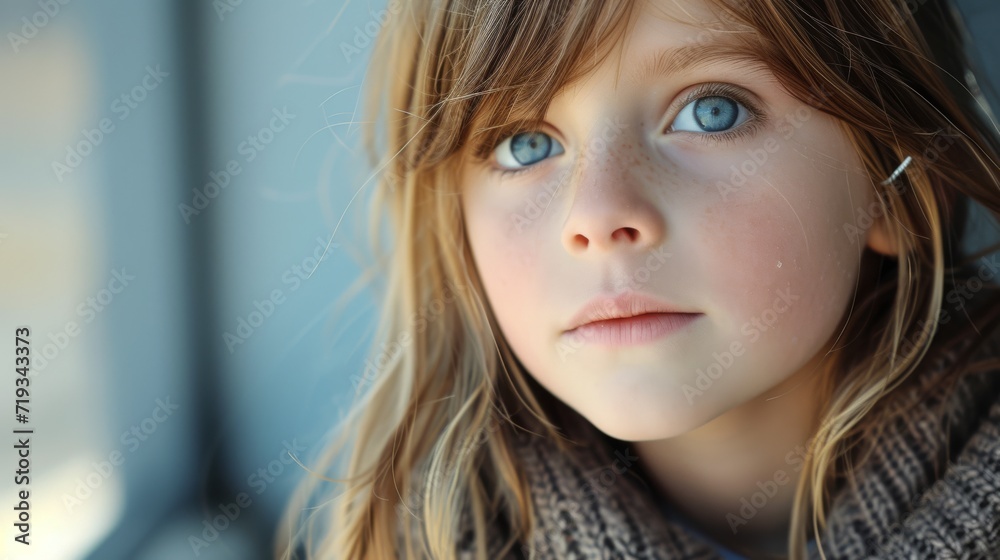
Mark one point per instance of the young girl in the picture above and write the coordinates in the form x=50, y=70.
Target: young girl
x=673, y=279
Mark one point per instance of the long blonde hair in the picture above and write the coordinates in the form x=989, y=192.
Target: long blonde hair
x=426, y=449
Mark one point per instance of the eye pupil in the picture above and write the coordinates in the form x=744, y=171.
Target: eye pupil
x=529, y=147
x=716, y=113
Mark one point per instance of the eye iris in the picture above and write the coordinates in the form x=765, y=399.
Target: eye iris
x=716, y=113
x=531, y=145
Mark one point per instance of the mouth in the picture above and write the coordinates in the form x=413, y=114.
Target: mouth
x=628, y=318
x=632, y=330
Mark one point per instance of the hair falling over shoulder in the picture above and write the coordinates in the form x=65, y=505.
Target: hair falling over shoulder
x=424, y=457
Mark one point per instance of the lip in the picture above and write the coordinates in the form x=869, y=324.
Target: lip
x=627, y=319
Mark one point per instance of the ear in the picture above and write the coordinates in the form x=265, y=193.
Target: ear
x=879, y=239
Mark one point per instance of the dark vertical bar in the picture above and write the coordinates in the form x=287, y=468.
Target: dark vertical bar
x=189, y=28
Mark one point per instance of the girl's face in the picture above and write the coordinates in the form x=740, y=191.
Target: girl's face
x=697, y=181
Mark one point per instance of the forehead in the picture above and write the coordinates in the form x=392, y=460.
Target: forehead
x=680, y=32
x=669, y=37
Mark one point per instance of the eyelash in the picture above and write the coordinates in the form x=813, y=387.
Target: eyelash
x=745, y=130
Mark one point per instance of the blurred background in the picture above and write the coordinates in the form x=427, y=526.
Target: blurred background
x=171, y=176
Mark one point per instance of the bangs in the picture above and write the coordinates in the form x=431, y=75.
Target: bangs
x=494, y=67
x=503, y=62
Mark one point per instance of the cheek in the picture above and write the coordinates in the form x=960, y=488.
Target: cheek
x=783, y=234
x=509, y=266
x=500, y=257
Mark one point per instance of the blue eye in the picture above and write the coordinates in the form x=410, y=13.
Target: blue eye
x=710, y=114
x=526, y=148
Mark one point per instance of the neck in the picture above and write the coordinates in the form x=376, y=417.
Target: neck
x=735, y=477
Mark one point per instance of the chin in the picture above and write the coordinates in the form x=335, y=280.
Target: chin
x=649, y=424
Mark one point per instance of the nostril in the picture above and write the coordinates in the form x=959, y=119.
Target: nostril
x=627, y=233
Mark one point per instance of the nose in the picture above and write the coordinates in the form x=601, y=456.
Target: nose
x=612, y=209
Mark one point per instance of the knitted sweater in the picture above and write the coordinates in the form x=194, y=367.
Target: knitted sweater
x=930, y=489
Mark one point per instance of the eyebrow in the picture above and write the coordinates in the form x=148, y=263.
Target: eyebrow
x=665, y=62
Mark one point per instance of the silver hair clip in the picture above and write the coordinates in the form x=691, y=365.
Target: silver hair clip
x=899, y=171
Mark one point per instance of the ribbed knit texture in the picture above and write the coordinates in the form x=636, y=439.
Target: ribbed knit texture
x=899, y=507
